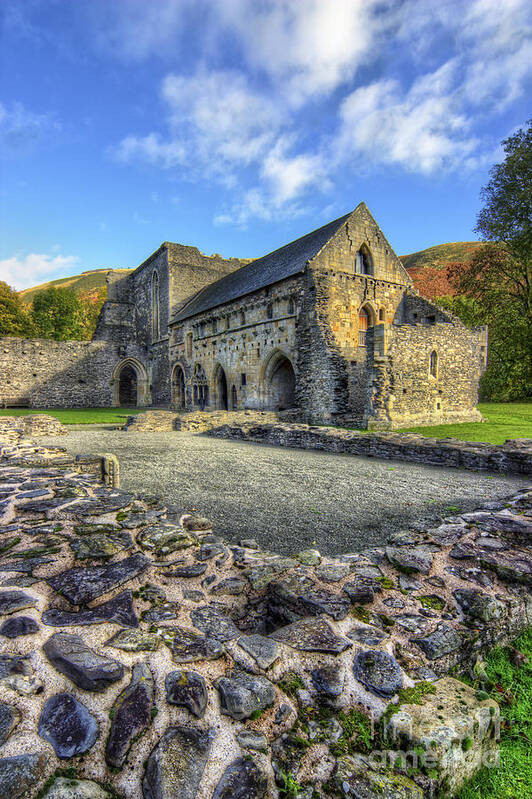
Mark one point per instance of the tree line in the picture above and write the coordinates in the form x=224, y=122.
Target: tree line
x=495, y=287
x=55, y=313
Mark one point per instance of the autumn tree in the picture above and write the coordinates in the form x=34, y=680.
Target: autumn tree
x=58, y=314
x=499, y=276
x=14, y=318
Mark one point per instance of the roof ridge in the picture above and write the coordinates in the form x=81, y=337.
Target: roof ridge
x=275, y=269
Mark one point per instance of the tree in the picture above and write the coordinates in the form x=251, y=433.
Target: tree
x=499, y=276
x=58, y=314
x=14, y=319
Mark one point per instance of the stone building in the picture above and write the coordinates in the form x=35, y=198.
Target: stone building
x=329, y=324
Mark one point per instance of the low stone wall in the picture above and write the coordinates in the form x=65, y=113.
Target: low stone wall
x=27, y=455
x=513, y=457
x=162, y=421
x=149, y=657
x=12, y=428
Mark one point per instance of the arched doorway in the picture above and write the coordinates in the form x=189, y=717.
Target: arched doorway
x=127, y=387
x=220, y=387
x=178, y=387
x=279, y=383
x=129, y=384
x=366, y=319
x=234, y=398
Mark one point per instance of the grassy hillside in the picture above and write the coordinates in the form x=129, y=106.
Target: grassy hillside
x=85, y=285
x=428, y=268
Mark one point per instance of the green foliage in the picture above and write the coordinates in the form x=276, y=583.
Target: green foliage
x=499, y=276
x=512, y=688
x=290, y=683
x=361, y=613
x=58, y=314
x=431, y=601
x=357, y=734
x=386, y=582
x=289, y=787
x=409, y=696
x=14, y=318
x=502, y=421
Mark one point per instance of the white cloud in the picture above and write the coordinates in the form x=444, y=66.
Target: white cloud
x=151, y=148
x=22, y=272
x=330, y=87
x=138, y=29
x=422, y=129
x=21, y=129
x=215, y=122
x=226, y=117
x=498, y=39
x=306, y=47
x=309, y=47
x=290, y=176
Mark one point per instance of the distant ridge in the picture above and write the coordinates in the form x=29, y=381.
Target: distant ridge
x=427, y=268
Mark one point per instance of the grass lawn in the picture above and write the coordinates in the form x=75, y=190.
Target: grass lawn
x=503, y=420
x=511, y=687
x=78, y=415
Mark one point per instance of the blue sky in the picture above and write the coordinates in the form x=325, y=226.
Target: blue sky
x=239, y=125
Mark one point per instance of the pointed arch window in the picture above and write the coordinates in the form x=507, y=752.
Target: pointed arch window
x=363, y=262
x=291, y=305
x=155, y=313
x=433, y=366
x=200, y=387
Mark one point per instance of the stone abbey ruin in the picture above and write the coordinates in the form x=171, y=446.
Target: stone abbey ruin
x=142, y=655
x=329, y=324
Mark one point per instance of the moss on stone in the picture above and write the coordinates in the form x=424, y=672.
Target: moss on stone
x=432, y=602
x=360, y=613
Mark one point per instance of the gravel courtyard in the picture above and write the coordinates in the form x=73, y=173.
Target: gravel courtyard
x=288, y=499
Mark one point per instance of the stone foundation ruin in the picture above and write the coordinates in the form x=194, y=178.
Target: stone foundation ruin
x=141, y=655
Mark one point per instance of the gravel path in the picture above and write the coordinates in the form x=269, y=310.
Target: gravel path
x=288, y=499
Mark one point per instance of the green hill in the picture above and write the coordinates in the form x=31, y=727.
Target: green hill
x=84, y=285
x=428, y=268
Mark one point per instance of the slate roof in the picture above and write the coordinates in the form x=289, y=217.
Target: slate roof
x=277, y=265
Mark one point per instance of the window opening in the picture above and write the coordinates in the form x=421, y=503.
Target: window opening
x=434, y=363
x=155, y=327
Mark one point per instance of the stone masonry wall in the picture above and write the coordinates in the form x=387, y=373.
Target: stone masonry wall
x=406, y=393
x=48, y=374
x=12, y=428
x=127, y=315
x=333, y=367
x=240, y=337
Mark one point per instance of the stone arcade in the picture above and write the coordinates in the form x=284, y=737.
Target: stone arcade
x=329, y=324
